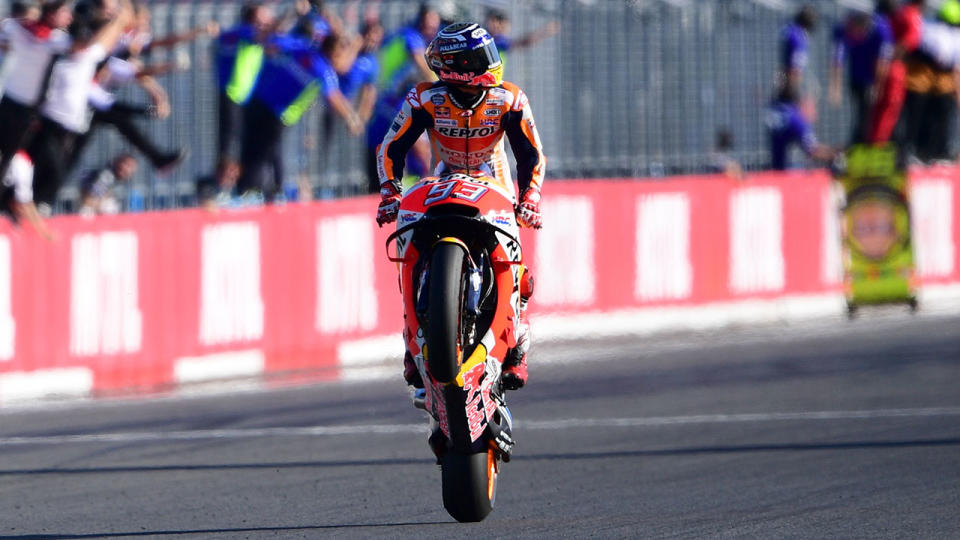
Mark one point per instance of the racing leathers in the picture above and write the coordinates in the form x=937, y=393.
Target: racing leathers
x=466, y=133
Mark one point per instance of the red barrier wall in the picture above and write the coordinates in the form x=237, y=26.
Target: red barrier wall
x=136, y=300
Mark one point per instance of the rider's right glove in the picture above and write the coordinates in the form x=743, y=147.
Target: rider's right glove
x=389, y=202
x=528, y=210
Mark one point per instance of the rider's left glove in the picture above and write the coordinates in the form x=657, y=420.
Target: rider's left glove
x=528, y=210
x=389, y=202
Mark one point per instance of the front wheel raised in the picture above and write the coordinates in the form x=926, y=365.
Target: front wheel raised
x=469, y=484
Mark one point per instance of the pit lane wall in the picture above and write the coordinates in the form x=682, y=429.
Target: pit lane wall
x=161, y=300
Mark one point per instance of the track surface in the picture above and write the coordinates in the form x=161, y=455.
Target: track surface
x=824, y=430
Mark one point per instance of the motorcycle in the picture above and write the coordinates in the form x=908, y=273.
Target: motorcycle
x=458, y=252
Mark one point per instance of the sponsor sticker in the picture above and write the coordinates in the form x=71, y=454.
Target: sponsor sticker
x=409, y=217
x=495, y=102
x=466, y=132
x=491, y=112
x=489, y=122
x=437, y=99
x=445, y=122
x=441, y=112
x=395, y=126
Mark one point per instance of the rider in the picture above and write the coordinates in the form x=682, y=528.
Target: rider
x=458, y=112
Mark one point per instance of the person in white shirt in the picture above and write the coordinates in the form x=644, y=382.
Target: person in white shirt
x=26, y=12
x=31, y=49
x=18, y=194
x=63, y=111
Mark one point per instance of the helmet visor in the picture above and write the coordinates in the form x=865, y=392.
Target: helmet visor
x=477, y=60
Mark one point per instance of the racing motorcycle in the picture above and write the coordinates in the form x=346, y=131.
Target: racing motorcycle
x=458, y=252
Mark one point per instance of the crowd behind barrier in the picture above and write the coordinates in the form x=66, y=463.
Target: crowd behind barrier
x=308, y=289
x=623, y=89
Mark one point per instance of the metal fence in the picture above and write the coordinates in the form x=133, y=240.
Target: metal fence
x=628, y=88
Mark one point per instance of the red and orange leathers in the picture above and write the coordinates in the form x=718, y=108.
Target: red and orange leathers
x=467, y=139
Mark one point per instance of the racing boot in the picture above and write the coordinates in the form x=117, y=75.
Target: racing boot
x=410, y=372
x=515, y=363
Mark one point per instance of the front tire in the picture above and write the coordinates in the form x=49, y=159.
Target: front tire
x=443, y=311
x=469, y=484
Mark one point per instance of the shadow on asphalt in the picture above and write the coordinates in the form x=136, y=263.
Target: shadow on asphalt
x=305, y=528
x=694, y=450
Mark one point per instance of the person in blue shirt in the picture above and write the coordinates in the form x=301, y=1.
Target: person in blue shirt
x=315, y=16
x=498, y=24
x=238, y=57
x=865, y=42
x=359, y=84
x=787, y=126
x=294, y=73
x=402, y=65
x=795, y=46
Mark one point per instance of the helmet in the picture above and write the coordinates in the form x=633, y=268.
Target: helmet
x=465, y=54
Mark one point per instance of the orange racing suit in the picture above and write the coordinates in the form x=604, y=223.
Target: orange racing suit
x=471, y=139
x=463, y=138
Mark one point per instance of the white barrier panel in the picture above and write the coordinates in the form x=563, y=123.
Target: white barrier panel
x=931, y=209
x=663, y=267
x=105, y=316
x=231, y=305
x=565, y=270
x=8, y=327
x=346, y=285
x=756, y=240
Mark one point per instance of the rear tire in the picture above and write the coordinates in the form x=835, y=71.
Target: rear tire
x=469, y=484
x=443, y=312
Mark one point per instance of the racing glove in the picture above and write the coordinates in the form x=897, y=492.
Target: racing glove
x=528, y=210
x=389, y=202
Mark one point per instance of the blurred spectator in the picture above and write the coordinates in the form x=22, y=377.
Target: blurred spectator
x=795, y=48
x=107, y=110
x=64, y=109
x=498, y=24
x=942, y=44
x=360, y=78
x=907, y=24
x=18, y=194
x=22, y=10
x=238, y=58
x=359, y=83
x=139, y=39
x=31, y=47
x=722, y=158
x=122, y=68
x=216, y=190
x=97, y=195
x=402, y=65
x=312, y=12
x=294, y=73
x=786, y=126
x=865, y=42
x=930, y=105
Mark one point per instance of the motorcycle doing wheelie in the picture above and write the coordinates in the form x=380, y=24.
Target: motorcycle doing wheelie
x=459, y=257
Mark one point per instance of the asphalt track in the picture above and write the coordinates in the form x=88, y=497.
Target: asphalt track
x=824, y=430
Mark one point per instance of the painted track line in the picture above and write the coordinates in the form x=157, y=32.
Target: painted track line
x=388, y=429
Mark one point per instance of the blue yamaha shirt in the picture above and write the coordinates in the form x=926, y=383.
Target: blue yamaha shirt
x=292, y=77
x=786, y=126
x=363, y=72
x=794, y=48
x=862, y=54
x=238, y=59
